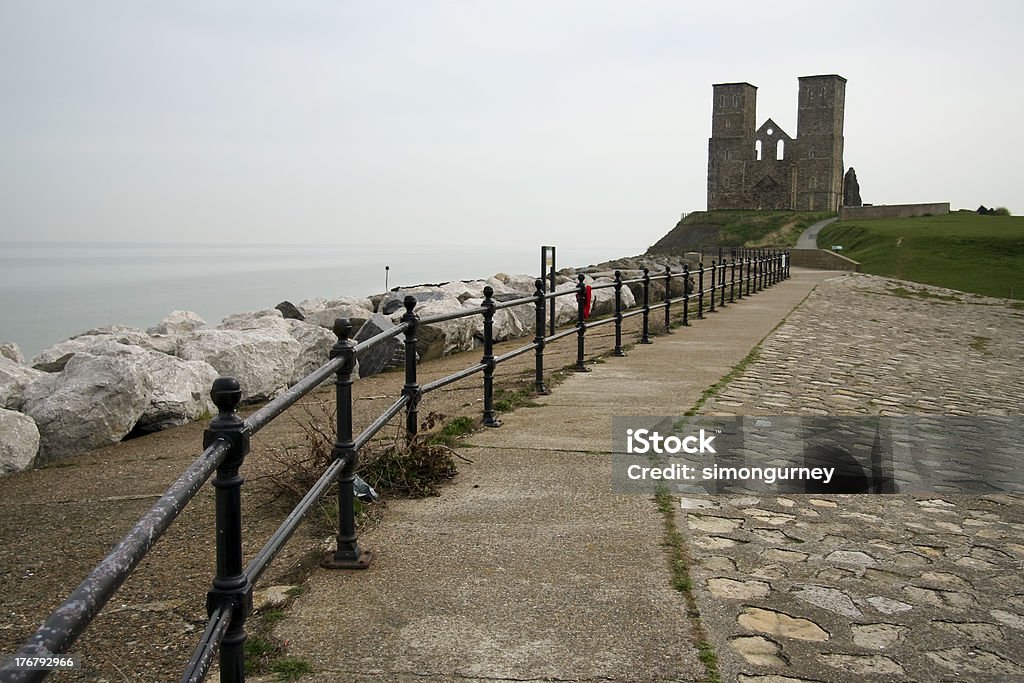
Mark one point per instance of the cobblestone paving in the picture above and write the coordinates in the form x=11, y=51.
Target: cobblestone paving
x=869, y=587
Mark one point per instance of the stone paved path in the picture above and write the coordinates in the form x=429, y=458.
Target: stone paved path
x=869, y=587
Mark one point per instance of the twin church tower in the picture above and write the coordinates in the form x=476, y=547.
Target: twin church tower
x=765, y=168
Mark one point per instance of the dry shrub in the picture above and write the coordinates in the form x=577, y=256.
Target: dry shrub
x=393, y=465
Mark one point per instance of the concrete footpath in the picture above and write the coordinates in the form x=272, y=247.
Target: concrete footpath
x=809, y=238
x=528, y=567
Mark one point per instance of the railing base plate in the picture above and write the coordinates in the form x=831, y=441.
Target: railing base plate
x=364, y=560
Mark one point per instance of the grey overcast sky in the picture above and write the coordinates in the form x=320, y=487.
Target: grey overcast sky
x=432, y=121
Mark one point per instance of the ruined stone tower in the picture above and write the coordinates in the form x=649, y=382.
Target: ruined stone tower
x=765, y=168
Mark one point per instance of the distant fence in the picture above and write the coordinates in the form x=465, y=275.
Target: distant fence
x=227, y=439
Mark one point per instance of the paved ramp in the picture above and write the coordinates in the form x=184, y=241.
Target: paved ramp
x=809, y=238
x=528, y=567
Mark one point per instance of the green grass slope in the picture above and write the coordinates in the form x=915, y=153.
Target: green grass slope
x=962, y=251
x=737, y=229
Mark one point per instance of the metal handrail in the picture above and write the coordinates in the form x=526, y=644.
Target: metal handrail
x=226, y=443
x=70, y=619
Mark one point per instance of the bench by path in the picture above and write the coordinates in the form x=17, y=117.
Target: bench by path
x=528, y=567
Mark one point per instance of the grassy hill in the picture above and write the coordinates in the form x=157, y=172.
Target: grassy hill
x=737, y=229
x=962, y=251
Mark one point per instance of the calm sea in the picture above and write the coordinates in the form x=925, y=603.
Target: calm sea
x=50, y=291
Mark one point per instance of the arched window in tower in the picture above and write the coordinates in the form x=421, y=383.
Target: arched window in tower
x=812, y=184
x=757, y=150
x=735, y=101
x=780, y=150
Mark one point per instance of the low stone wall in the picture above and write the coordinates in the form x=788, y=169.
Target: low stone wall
x=848, y=213
x=822, y=259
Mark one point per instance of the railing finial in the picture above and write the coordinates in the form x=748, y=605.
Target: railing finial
x=226, y=394
x=342, y=328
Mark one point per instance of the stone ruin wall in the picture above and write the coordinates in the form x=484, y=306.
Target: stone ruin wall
x=764, y=167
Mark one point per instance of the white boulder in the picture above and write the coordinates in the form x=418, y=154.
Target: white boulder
x=315, y=344
x=181, y=391
x=317, y=304
x=603, y=300
x=14, y=377
x=509, y=323
x=325, y=317
x=261, y=359
x=474, y=289
x=178, y=323
x=524, y=284
x=95, y=401
x=430, y=300
x=132, y=336
x=19, y=442
x=254, y=320
x=565, y=305
x=312, y=342
x=99, y=341
x=459, y=334
x=10, y=351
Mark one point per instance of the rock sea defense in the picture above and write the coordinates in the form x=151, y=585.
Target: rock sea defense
x=20, y=442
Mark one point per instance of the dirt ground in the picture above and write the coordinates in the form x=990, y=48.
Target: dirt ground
x=59, y=521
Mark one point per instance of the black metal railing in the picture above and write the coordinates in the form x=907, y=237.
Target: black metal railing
x=226, y=443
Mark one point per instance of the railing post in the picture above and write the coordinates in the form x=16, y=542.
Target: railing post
x=538, y=339
x=668, y=299
x=618, y=315
x=789, y=258
x=750, y=273
x=230, y=583
x=714, y=270
x=721, y=282
x=644, y=337
x=732, y=280
x=348, y=554
x=581, y=324
x=686, y=295
x=411, y=388
x=490, y=414
x=740, y=279
x=764, y=269
x=700, y=291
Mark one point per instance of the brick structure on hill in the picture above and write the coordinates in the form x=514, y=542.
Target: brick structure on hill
x=765, y=168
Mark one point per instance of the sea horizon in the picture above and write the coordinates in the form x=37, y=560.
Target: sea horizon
x=53, y=290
